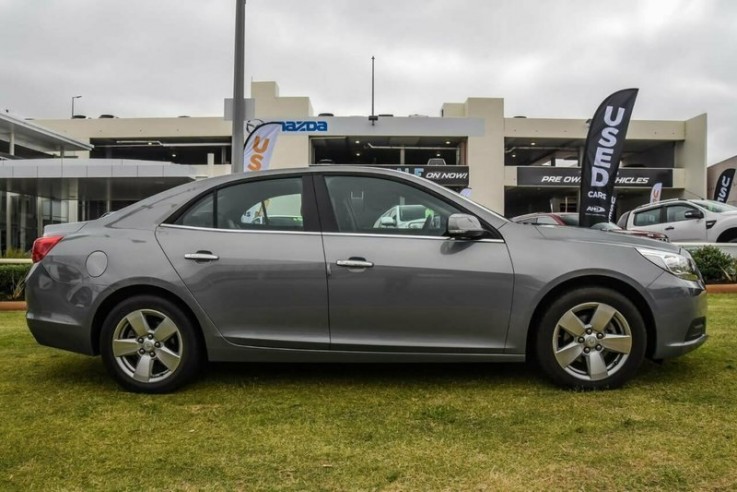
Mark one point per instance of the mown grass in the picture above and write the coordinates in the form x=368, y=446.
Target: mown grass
x=66, y=426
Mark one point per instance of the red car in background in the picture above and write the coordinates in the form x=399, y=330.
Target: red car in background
x=571, y=219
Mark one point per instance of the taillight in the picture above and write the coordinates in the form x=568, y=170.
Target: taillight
x=43, y=245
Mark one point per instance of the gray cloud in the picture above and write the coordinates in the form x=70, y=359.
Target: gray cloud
x=547, y=59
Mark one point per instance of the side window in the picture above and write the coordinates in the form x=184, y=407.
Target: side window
x=675, y=213
x=622, y=222
x=200, y=214
x=647, y=217
x=380, y=206
x=254, y=205
x=274, y=204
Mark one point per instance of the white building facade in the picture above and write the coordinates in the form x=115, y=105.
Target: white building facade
x=513, y=165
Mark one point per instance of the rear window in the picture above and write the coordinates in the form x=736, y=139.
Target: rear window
x=274, y=204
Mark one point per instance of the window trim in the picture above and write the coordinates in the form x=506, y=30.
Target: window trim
x=238, y=231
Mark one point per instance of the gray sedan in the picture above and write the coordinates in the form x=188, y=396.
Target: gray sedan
x=211, y=270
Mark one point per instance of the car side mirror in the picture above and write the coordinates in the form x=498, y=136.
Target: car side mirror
x=693, y=214
x=464, y=226
x=387, y=222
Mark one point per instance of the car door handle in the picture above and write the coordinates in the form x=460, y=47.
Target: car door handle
x=201, y=256
x=669, y=228
x=354, y=263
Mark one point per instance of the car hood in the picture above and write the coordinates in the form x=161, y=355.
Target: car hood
x=580, y=234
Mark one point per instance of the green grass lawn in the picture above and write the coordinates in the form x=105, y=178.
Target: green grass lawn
x=65, y=426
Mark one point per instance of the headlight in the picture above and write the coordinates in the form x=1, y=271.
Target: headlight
x=680, y=265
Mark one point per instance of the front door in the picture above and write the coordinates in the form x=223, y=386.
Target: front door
x=680, y=228
x=397, y=283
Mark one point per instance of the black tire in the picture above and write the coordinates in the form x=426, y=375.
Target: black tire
x=157, y=349
x=577, y=350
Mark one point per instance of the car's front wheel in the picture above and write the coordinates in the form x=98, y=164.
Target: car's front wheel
x=149, y=345
x=591, y=338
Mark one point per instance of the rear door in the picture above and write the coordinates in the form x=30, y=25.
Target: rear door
x=651, y=219
x=409, y=288
x=251, y=255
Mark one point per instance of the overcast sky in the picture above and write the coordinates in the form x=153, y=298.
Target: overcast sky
x=138, y=58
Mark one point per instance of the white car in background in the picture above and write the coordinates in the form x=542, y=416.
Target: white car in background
x=686, y=220
x=404, y=217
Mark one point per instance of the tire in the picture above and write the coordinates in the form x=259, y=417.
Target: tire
x=149, y=345
x=591, y=338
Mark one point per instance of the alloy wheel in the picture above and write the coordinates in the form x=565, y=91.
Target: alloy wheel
x=592, y=341
x=147, y=346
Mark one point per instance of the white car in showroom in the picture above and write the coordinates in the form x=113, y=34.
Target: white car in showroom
x=686, y=220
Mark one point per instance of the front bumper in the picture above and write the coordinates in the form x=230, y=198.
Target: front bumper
x=679, y=311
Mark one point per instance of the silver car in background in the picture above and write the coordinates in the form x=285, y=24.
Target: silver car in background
x=188, y=276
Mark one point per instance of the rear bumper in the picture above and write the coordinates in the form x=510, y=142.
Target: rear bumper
x=57, y=311
x=72, y=337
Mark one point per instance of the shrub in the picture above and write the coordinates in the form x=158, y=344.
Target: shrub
x=11, y=280
x=715, y=265
x=16, y=253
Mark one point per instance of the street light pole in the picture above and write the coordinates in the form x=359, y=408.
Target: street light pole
x=239, y=103
x=73, y=98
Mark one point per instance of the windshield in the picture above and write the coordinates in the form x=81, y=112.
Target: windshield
x=606, y=226
x=483, y=207
x=570, y=219
x=713, y=206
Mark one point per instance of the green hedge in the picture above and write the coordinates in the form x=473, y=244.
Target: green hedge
x=715, y=265
x=11, y=280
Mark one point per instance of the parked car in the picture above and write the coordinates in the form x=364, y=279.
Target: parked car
x=687, y=220
x=571, y=219
x=278, y=220
x=177, y=279
x=404, y=217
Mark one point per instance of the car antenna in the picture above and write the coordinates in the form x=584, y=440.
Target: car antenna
x=372, y=118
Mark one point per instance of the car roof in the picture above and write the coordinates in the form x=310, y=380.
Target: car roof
x=659, y=203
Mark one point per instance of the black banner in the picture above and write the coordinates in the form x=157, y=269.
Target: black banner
x=567, y=177
x=604, y=144
x=724, y=185
x=444, y=175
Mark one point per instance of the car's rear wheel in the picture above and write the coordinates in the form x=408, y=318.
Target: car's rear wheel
x=591, y=338
x=149, y=345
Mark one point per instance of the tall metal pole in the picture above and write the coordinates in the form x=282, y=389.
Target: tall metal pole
x=239, y=103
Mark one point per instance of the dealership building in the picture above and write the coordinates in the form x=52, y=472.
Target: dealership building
x=77, y=169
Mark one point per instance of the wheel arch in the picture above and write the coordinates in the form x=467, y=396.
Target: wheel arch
x=727, y=235
x=594, y=281
x=112, y=300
